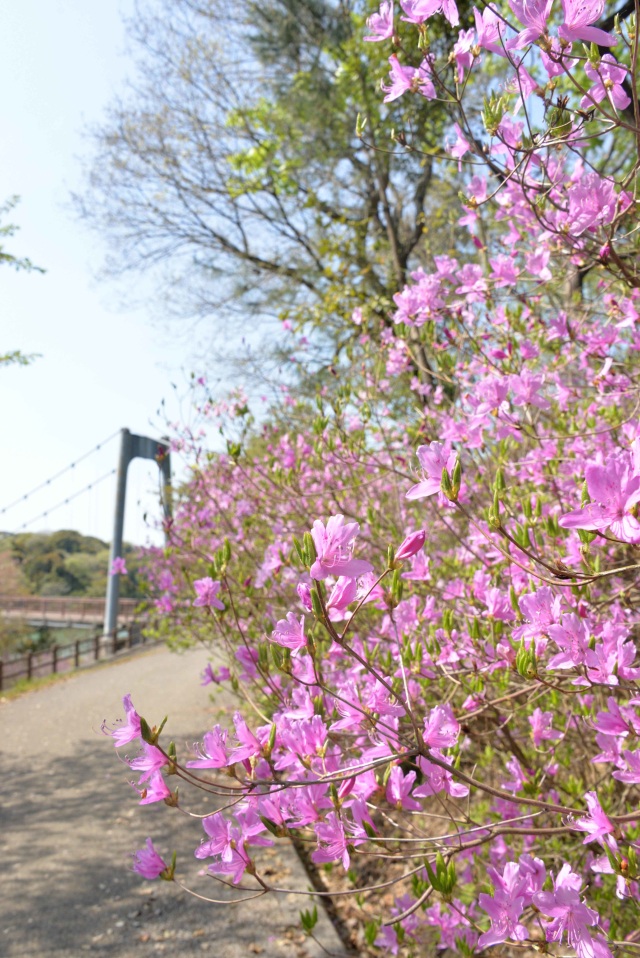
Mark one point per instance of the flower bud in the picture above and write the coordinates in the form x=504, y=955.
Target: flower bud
x=411, y=545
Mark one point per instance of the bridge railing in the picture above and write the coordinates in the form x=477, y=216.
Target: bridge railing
x=66, y=658
x=67, y=608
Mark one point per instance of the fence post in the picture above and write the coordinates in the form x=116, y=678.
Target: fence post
x=54, y=659
x=29, y=664
x=76, y=659
x=96, y=647
x=1, y=665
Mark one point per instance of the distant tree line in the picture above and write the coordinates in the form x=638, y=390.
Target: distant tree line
x=62, y=563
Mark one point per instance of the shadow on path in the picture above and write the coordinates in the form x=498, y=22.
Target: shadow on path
x=69, y=822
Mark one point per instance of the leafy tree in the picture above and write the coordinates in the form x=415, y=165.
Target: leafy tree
x=15, y=356
x=8, y=230
x=234, y=167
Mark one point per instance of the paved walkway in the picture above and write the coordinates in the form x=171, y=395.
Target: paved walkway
x=68, y=821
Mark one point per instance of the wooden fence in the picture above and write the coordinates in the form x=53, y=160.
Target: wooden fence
x=65, y=658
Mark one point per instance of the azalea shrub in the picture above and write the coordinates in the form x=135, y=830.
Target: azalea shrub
x=426, y=598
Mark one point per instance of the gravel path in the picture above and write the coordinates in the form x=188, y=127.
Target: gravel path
x=69, y=820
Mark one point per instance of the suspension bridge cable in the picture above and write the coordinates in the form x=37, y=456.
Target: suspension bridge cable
x=64, y=502
x=62, y=472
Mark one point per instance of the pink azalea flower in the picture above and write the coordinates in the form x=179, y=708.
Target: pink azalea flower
x=525, y=389
x=570, y=915
x=462, y=52
x=342, y=595
x=540, y=609
x=490, y=28
x=504, y=907
x=593, y=201
x=460, y=146
x=332, y=842
x=578, y=14
x=540, y=723
x=209, y=677
x=441, y=728
x=607, y=78
x=119, y=566
x=572, y=637
x=596, y=825
x=419, y=571
x=403, y=79
x=399, y=788
x=631, y=774
x=221, y=835
x=504, y=271
x=533, y=14
x=207, y=591
x=433, y=458
x=472, y=283
x=536, y=264
x=151, y=761
x=438, y=779
x=417, y=11
x=213, y=752
x=381, y=23
x=126, y=733
x=249, y=745
x=615, y=489
x=148, y=863
x=518, y=780
x=304, y=594
x=450, y=11
x=155, y=791
x=618, y=720
x=334, y=546
x=289, y=633
x=235, y=867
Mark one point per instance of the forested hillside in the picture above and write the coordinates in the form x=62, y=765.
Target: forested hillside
x=60, y=563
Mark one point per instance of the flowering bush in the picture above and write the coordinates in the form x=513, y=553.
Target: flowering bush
x=439, y=653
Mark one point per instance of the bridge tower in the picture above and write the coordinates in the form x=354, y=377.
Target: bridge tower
x=132, y=447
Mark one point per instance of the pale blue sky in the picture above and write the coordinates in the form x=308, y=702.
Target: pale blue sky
x=61, y=61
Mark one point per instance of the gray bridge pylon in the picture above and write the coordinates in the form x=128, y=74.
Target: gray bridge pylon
x=132, y=447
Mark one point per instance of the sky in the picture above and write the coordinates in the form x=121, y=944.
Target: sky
x=100, y=367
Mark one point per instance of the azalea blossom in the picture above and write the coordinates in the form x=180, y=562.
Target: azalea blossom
x=213, y=752
x=332, y=842
x=207, y=593
x=596, y=825
x=607, y=77
x=540, y=723
x=119, y=566
x=578, y=15
x=615, y=489
x=130, y=730
x=408, y=78
x=289, y=633
x=381, y=23
x=504, y=907
x=570, y=915
x=533, y=14
x=433, y=458
x=441, y=728
x=334, y=546
x=399, y=788
x=148, y=863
